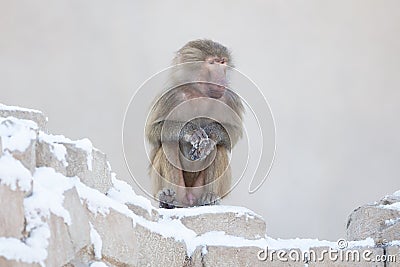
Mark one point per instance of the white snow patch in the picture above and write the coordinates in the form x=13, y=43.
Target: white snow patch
x=48, y=195
x=391, y=222
x=34, y=250
x=306, y=244
x=98, y=202
x=98, y=264
x=17, y=134
x=196, y=211
x=394, y=243
x=60, y=152
x=86, y=145
x=397, y=193
x=219, y=238
x=96, y=241
x=123, y=193
x=15, y=108
x=368, y=242
x=13, y=173
x=53, y=138
x=394, y=206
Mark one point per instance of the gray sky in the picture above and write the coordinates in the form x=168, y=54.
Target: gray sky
x=329, y=69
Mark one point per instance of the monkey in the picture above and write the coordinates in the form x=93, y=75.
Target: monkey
x=193, y=126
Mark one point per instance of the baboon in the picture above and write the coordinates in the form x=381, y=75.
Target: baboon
x=193, y=126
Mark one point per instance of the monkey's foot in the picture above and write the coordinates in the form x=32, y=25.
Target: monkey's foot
x=167, y=198
x=209, y=198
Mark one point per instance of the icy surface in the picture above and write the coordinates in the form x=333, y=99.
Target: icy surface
x=13, y=173
x=17, y=134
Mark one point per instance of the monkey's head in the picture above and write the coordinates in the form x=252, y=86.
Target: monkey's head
x=212, y=60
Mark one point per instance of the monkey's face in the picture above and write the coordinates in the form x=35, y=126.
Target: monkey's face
x=214, y=72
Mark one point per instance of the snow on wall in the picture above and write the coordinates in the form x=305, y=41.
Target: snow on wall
x=183, y=229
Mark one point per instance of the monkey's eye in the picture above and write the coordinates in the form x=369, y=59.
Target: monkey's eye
x=211, y=60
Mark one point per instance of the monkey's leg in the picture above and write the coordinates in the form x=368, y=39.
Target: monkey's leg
x=168, y=180
x=217, y=178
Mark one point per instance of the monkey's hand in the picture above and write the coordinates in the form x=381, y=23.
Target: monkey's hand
x=195, y=136
x=202, y=149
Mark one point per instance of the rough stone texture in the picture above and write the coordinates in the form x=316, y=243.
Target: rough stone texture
x=347, y=257
x=27, y=157
x=392, y=256
x=12, y=263
x=37, y=117
x=79, y=230
x=143, y=212
x=99, y=177
x=196, y=260
x=156, y=250
x=45, y=157
x=118, y=236
x=371, y=221
x=60, y=249
x=247, y=226
x=11, y=223
x=83, y=258
x=241, y=256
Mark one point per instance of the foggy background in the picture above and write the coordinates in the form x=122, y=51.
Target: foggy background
x=329, y=70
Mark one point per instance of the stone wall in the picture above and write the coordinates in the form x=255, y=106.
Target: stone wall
x=61, y=205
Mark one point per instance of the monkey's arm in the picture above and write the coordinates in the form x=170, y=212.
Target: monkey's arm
x=167, y=131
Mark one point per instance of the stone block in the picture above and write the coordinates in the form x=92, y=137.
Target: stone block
x=27, y=157
x=20, y=141
x=143, y=212
x=372, y=221
x=26, y=114
x=60, y=250
x=79, y=230
x=13, y=263
x=12, y=215
x=152, y=249
x=92, y=168
x=82, y=258
x=119, y=240
x=246, y=256
x=331, y=257
x=246, y=226
x=45, y=157
x=392, y=256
